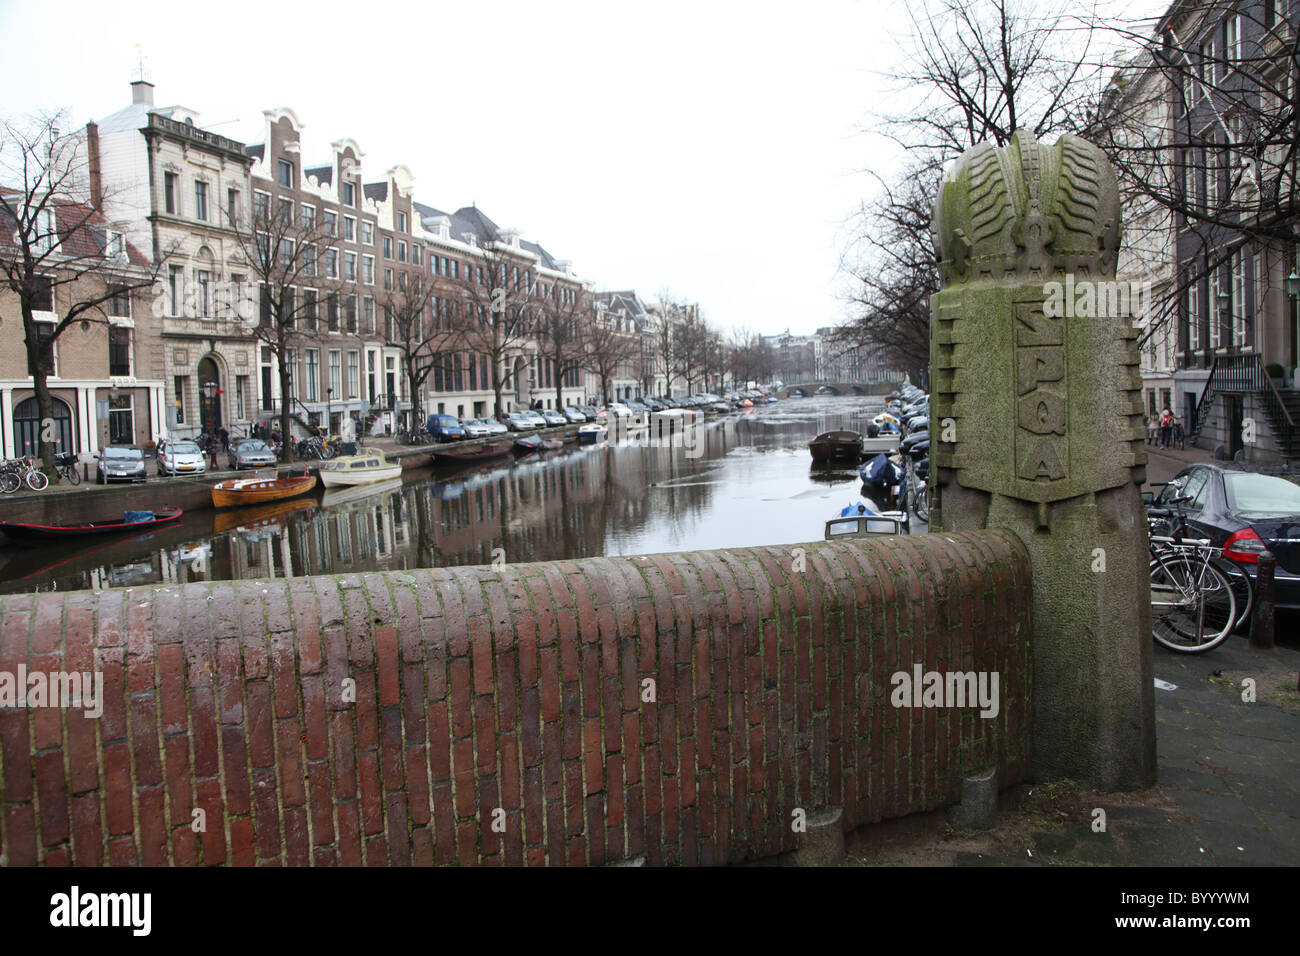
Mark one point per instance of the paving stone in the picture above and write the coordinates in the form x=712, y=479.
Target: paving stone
x=1214, y=808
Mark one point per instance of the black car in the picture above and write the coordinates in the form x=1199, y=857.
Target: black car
x=1246, y=512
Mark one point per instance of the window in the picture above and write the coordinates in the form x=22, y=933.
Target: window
x=175, y=288
x=1216, y=318
x=401, y=222
x=354, y=374
x=368, y=270
x=309, y=259
x=350, y=266
x=200, y=200
x=349, y=194
x=286, y=254
x=388, y=280
x=264, y=297
x=284, y=211
x=350, y=312
x=313, y=375
x=121, y=420
x=401, y=252
x=232, y=206
x=204, y=280
x=119, y=350
x=368, y=313
x=291, y=360
x=1193, y=317
x=264, y=250
x=332, y=311
x=45, y=340
x=350, y=228
x=332, y=263
x=415, y=254
x=119, y=301
x=241, y=391
x=368, y=233
x=309, y=309
x=169, y=192
x=261, y=206
x=284, y=173
x=180, y=385
x=1238, y=299
x=388, y=247
x=1209, y=68
x=1232, y=38
x=331, y=223
x=336, y=373
x=455, y=268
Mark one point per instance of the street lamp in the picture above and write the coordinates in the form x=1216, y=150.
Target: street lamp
x=329, y=410
x=1225, y=312
x=1292, y=292
x=1292, y=286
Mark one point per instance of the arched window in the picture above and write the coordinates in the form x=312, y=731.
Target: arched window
x=27, y=427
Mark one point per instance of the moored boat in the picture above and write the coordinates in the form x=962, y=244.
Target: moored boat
x=260, y=489
x=840, y=445
x=132, y=521
x=592, y=433
x=533, y=443
x=358, y=470
x=467, y=455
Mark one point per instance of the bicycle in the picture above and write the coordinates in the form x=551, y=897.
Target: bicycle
x=1178, y=436
x=65, y=465
x=22, y=471
x=1193, y=604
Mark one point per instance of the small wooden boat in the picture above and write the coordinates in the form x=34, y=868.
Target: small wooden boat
x=260, y=489
x=131, y=521
x=358, y=470
x=534, y=443
x=841, y=445
x=468, y=455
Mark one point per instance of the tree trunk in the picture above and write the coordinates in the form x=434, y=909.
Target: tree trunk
x=44, y=404
x=412, y=393
x=604, y=388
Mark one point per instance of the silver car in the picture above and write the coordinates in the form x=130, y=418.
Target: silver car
x=181, y=457
x=251, y=453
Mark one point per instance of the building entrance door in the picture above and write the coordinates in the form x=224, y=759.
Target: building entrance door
x=209, y=395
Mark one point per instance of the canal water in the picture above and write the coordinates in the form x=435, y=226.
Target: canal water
x=743, y=479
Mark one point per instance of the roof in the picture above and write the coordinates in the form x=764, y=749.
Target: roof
x=324, y=174
x=376, y=191
x=135, y=116
x=81, y=231
x=256, y=150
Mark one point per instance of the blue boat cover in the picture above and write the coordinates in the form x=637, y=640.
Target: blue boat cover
x=880, y=471
x=859, y=507
x=131, y=517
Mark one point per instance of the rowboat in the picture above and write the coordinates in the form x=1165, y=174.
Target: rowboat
x=467, y=455
x=841, y=445
x=358, y=470
x=131, y=521
x=526, y=446
x=260, y=489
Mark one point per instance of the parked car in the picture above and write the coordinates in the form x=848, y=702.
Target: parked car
x=618, y=408
x=573, y=415
x=534, y=417
x=552, y=417
x=520, y=422
x=592, y=412
x=1247, y=513
x=181, y=457
x=120, y=463
x=251, y=453
x=445, y=428
x=482, y=427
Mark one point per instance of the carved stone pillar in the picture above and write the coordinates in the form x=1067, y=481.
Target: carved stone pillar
x=1046, y=435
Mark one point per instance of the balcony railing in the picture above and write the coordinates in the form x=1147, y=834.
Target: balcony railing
x=194, y=134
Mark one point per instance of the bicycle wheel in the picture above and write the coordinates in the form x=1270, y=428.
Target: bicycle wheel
x=1242, y=589
x=921, y=503
x=73, y=474
x=36, y=479
x=10, y=482
x=1193, y=608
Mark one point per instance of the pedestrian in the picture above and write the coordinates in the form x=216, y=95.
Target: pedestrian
x=225, y=438
x=1166, y=426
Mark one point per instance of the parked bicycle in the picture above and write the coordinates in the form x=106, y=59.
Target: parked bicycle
x=16, y=472
x=1194, y=606
x=66, y=465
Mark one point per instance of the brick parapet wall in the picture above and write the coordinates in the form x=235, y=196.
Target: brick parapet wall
x=519, y=688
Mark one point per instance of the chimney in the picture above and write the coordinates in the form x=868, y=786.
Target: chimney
x=92, y=162
x=142, y=92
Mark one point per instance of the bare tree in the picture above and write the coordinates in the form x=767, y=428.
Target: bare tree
x=284, y=256
x=56, y=252
x=564, y=315
x=422, y=326
x=498, y=317
x=611, y=347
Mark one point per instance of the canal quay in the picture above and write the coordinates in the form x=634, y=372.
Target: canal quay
x=741, y=480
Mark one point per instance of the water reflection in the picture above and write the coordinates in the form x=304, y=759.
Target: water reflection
x=744, y=480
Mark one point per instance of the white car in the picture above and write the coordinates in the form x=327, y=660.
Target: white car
x=476, y=427
x=618, y=408
x=181, y=457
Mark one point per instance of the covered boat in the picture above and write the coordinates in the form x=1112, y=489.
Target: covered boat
x=132, y=521
x=467, y=455
x=533, y=443
x=364, y=469
x=260, y=489
x=840, y=445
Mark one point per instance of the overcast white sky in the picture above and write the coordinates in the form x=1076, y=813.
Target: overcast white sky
x=710, y=148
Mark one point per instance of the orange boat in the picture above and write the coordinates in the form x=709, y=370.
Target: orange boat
x=259, y=490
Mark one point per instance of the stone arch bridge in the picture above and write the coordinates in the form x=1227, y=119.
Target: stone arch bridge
x=836, y=388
